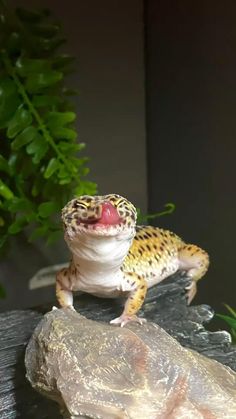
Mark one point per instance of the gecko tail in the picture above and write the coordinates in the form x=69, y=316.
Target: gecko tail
x=45, y=276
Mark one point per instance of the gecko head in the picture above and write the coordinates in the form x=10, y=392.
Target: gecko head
x=107, y=215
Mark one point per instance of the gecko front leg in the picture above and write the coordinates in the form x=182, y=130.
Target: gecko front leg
x=64, y=287
x=135, y=300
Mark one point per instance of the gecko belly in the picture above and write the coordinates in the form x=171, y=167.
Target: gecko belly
x=163, y=272
x=106, y=286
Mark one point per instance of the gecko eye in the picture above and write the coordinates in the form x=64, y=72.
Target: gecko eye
x=79, y=205
x=126, y=210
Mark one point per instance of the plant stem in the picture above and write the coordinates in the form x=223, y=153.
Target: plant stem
x=33, y=111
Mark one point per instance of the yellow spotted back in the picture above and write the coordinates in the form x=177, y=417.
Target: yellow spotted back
x=154, y=253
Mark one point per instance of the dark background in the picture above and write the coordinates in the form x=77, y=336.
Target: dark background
x=191, y=130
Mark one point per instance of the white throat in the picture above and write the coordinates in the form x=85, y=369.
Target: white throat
x=99, y=255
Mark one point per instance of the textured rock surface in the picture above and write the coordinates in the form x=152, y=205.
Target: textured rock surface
x=17, y=398
x=95, y=370
x=166, y=305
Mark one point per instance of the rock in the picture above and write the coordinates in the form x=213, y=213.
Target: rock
x=94, y=370
x=166, y=305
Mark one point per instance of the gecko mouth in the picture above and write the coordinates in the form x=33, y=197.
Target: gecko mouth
x=107, y=216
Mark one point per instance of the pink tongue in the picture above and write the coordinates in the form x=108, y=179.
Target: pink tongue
x=109, y=214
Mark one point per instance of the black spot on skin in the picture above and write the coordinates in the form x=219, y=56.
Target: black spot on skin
x=148, y=247
x=161, y=248
x=75, y=205
x=150, y=262
x=133, y=283
x=140, y=252
x=155, y=247
x=163, y=270
x=142, y=287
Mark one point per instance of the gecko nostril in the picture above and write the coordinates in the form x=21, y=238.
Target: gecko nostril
x=98, y=209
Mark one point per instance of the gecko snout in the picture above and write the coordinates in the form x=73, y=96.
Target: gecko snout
x=109, y=214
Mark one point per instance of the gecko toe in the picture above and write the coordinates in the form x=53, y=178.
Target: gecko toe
x=124, y=319
x=191, y=291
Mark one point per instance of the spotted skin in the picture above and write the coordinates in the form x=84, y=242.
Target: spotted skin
x=111, y=256
x=156, y=254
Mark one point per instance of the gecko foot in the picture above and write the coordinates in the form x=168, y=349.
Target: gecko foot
x=70, y=307
x=124, y=319
x=191, y=291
